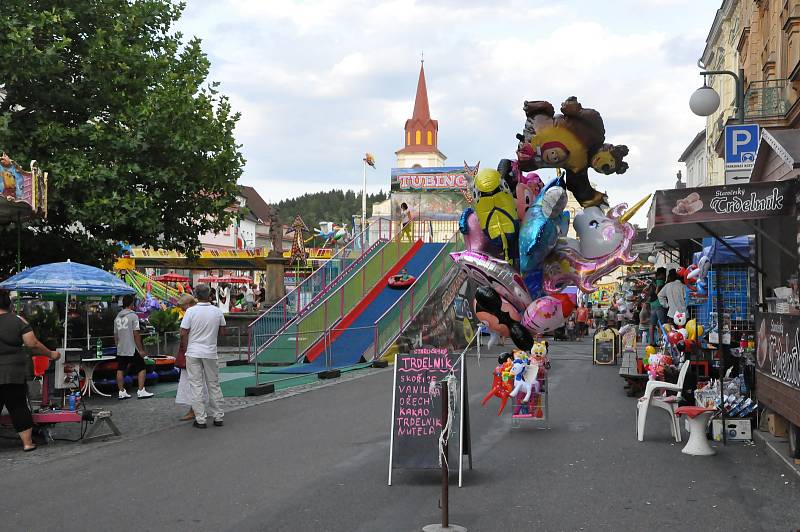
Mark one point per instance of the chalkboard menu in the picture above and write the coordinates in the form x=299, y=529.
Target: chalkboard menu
x=604, y=349
x=417, y=408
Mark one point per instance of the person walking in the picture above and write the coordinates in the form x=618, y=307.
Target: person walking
x=658, y=314
x=582, y=318
x=200, y=329
x=15, y=335
x=406, y=223
x=673, y=295
x=130, y=351
x=644, y=321
x=184, y=393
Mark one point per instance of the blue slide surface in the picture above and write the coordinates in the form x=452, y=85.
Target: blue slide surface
x=346, y=350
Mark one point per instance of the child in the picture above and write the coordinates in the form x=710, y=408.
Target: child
x=571, y=327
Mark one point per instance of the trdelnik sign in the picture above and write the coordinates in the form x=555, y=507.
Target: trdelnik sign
x=748, y=201
x=738, y=200
x=778, y=349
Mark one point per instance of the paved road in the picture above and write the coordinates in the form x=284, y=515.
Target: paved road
x=318, y=461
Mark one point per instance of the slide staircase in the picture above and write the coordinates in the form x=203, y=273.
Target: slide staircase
x=272, y=335
x=362, y=320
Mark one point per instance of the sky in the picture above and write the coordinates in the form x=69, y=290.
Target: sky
x=320, y=82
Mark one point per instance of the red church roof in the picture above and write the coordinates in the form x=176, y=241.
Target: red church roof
x=421, y=122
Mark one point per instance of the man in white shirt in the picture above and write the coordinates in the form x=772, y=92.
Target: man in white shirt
x=249, y=298
x=201, y=326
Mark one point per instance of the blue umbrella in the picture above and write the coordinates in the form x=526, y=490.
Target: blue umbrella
x=68, y=278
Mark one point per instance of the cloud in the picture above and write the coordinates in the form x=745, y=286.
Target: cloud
x=320, y=82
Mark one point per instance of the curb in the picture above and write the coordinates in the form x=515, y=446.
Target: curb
x=779, y=447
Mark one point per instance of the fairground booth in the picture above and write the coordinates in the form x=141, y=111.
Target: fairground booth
x=749, y=233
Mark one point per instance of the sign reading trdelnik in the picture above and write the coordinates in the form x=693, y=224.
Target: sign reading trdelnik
x=727, y=202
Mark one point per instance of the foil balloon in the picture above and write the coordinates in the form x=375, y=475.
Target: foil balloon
x=543, y=223
x=604, y=245
x=496, y=211
x=496, y=274
x=547, y=313
x=489, y=304
x=474, y=237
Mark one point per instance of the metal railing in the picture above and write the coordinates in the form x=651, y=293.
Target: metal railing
x=169, y=342
x=768, y=98
x=291, y=343
x=392, y=322
x=313, y=288
x=320, y=311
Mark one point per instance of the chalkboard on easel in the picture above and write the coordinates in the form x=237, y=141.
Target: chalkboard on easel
x=417, y=410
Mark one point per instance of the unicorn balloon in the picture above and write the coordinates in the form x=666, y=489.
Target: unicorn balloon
x=603, y=245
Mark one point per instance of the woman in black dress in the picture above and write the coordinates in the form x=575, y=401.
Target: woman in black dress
x=15, y=336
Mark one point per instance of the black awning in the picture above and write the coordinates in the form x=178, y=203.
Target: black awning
x=726, y=210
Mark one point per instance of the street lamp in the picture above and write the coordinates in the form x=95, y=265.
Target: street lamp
x=705, y=100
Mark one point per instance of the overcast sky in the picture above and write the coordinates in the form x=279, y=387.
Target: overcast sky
x=319, y=82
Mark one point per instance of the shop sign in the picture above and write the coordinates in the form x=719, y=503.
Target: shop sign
x=778, y=347
x=430, y=178
x=726, y=202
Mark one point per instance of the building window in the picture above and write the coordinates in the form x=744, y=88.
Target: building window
x=430, y=138
x=408, y=138
x=418, y=137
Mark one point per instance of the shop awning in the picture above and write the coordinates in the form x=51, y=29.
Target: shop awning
x=724, y=210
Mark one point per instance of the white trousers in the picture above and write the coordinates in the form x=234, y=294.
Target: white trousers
x=204, y=372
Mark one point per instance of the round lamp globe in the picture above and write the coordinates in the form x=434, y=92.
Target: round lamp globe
x=704, y=101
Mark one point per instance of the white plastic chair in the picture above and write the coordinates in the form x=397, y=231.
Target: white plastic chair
x=661, y=400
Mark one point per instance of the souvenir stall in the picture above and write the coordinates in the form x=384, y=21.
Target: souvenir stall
x=777, y=323
x=719, y=212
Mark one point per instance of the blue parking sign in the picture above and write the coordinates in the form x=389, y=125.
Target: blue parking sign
x=741, y=144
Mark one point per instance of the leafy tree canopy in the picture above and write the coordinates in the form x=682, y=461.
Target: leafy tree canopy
x=338, y=206
x=115, y=106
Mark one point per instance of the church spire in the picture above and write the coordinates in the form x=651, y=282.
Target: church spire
x=422, y=111
x=421, y=131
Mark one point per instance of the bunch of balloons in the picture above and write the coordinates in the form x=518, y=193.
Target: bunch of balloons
x=515, y=231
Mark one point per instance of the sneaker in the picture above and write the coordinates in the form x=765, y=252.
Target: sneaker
x=143, y=394
x=199, y=425
x=123, y=395
x=217, y=422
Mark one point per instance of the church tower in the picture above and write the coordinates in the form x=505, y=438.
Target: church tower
x=421, y=133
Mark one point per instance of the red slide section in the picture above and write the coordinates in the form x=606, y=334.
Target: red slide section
x=319, y=348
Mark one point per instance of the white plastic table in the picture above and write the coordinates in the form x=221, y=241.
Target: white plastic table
x=88, y=365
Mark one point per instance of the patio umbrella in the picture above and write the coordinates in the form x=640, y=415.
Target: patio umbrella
x=209, y=279
x=68, y=278
x=235, y=279
x=171, y=277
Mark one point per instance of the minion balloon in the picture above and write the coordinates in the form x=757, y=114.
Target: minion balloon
x=497, y=212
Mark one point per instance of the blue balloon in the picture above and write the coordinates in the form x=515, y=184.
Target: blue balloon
x=541, y=227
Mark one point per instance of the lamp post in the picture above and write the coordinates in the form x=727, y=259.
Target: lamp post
x=705, y=100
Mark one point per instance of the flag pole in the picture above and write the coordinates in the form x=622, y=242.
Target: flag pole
x=364, y=200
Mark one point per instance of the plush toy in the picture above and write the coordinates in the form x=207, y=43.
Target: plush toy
x=574, y=141
x=518, y=368
x=496, y=211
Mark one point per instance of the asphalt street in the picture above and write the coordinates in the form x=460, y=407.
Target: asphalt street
x=319, y=461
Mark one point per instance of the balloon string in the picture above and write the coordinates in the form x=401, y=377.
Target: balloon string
x=452, y=396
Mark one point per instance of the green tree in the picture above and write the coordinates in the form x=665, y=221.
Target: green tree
x=337, y=206
x=115, y=106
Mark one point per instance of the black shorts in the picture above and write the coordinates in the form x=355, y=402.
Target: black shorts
x=133, y=364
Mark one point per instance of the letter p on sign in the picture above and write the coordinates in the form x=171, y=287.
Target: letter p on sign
x=740, y=138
